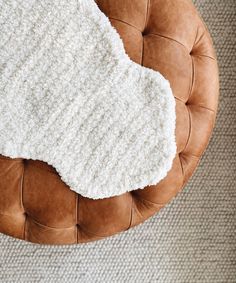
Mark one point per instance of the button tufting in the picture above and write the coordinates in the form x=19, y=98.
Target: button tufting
x=169, y=35
x=144, y=33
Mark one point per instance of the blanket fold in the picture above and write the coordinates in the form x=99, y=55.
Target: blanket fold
x=70, y=96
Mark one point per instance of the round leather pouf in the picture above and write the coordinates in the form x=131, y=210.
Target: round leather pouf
x=167, y=36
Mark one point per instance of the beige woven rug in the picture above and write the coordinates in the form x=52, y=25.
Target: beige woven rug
x=191, y=240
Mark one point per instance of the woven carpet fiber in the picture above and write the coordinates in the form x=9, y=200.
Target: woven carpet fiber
x=193, y=239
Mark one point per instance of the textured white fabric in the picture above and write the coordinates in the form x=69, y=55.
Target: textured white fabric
x=70, y=96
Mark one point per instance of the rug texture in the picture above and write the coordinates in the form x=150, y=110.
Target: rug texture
x=70, y=96
x=190, y=241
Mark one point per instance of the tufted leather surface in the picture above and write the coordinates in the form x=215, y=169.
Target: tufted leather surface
x=165, y=35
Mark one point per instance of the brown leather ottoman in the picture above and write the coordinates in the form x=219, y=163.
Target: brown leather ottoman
x=165, y=35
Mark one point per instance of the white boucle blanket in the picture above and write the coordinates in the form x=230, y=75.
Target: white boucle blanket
x=70, y=96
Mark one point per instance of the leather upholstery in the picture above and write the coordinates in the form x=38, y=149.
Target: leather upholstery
x=168, y=36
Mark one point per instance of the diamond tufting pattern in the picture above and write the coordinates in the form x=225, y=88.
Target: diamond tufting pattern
x=165, y=35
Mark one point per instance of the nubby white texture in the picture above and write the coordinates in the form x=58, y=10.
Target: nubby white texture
x=70, y=96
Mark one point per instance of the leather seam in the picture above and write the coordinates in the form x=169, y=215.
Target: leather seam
x=177, y=98
x=147, y=15
x=200, y=38
x=50, y=227
x=190, y=129
x=21, y=199
x=192, y=79
x=131, y=212
x=182, y=168
x=201, y=106
x=169, y=38
x=25, y=230
x=195, y=38
x=124, y=22
x=145, y=24
x=202, y=55
x=21, y=187
x=76, y=216
x=142, y=57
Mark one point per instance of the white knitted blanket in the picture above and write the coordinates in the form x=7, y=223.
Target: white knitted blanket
x=70, y=96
